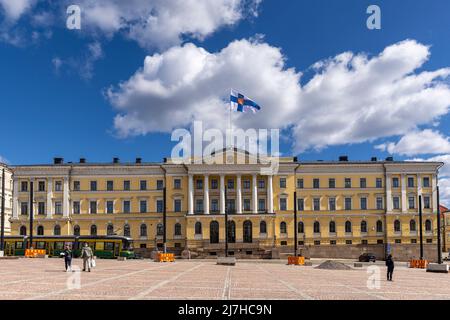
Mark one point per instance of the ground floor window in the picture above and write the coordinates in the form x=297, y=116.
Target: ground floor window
x=214, y=232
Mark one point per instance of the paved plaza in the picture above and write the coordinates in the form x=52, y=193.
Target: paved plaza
x=144, y=279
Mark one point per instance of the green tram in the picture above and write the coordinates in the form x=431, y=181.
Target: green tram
x=106, y=247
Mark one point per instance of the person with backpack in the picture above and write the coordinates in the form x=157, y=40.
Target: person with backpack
x=86, y=255
x=390, y=267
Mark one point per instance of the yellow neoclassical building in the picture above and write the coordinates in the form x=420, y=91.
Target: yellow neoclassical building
x=344, y=207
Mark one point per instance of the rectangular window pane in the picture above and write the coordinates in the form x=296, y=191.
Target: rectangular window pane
x=261, y=205
x=177, y=184
x=282, y=183
x=316, y=204
x=332, y=203
x=283, y=204
x=396, y=202
x=301, y=204
x=110, y=207
x=379, y=203
x=143, y=206
x=332, y=183
x=348, y=203
x=159, y=206
x=159, y=184
x=76, y=185
x=410, y=182
x=76, y=207
x=379, y=183
x=93, y=185
x=426, y=182
x=126, y=206
x=177, y=205
x=109, y=185
x=143, y=185
x=58, y=186
x=363, y=183
x=363, y=203
x=126, y=185
x=316, y=183
x=395, y=183
x=348, y=182
x=300, y=183
x=93, y=207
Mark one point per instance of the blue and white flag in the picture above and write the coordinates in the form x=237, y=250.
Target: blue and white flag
x=241, y=103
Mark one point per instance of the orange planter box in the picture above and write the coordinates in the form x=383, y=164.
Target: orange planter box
x=165, y=257
x=34, y=253
x=418, y=264
x=298, y=261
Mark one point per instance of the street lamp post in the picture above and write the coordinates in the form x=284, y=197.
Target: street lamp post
x=226, y=224
x=31, y=214
x=164, y=219
x=420, y=228
x=295, y=225
x=439, y=229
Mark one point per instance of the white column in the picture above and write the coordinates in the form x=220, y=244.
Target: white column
x=404, y=200
x=255, y=194
x=222, y=194
x=206, y=194
x=434, y=184
x=389, y=193
x=191, y=195
x=66, y=206
x=49, y=198
x=238, y=194
x=269, y=194
x=15, y=212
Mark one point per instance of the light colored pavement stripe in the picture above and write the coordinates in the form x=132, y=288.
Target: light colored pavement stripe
x=94, y=283
x=226, y=293
x=159, y=285
x=288, y=285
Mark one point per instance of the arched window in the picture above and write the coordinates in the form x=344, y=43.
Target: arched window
x=126, y=230
x=379, y=226
x=76, y=230
x=23, y=231
x=93, y=230
x=262, y=227
x=177, y=229
x=110, y=229
x=159, y=229
x=231, y=232
x=332, y=227
x=214, y=232
x=348, y=227
x=428, y=225
x=248, y=234
x=198, y=228
x=412, y=225
x=364, y=226
x=397, y=226
x=143, y=231
x=283, y=228
x=40, y=231
x=57, y=230
x=300, y=227
x=316, y=227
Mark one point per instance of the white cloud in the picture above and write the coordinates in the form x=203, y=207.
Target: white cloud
x=352, y=98
x=14, y=9
x=418, y=142
x=3, y=160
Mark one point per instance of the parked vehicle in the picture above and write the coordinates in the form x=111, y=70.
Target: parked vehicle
x=367, y=257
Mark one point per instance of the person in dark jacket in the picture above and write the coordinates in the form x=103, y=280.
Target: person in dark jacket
x=68, y=255
x=390, y=267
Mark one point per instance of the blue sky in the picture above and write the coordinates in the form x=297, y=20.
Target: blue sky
x=65, y=111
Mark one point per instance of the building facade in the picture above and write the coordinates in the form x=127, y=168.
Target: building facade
x=343, y=207
x=8, y=195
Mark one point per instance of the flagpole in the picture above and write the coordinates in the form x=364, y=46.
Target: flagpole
x=229, y=122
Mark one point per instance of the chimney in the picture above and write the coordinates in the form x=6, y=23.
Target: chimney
x=343, y=158
x=374, y=159
x=138, y=160
x=82, y=160
x=58, y=160
x=115, y=160
x=390, y=159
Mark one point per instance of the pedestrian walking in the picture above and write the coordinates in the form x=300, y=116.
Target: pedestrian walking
x=86, y=255
x=390, y=267
x=68, y=255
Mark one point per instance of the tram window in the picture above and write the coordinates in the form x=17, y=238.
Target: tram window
x=40, y=245
x=19, y=245
x=59, y=245
x=109, y=245
x=142, y=246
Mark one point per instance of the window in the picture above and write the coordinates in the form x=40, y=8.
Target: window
x=283, y=228
x=24, y=186
x=380, y=241
x=412, y=225
x=57, y=230
x=230, y=184
x=317, y=242
x=76, y=186
x=395, y=183
x=316, y=227
x=231, y=205
x=248, y=232
x=396, y=203
x=41, y=186
x=109, y=206
x=214, y=205
x=316, y=183
x=363, y=202
x=410, y=182
x=316, y=204
x=110, y=230
x=348, y=182
x=363, y=226
x=214, y=232
x=177, y=229
x=300, y=183
x=23, y=231
x=126, y=206
x=247, y=205
x=397, y=226
x=333, y=242
x=261, y=184
x=126, y=185
x=58, y=186
x=159, y=206
x=348, y=203
x=177, y=205
x=246, y=184
x=24, y=208
x=143, y=230
x=282, y=183
x=428, y=225
x=426, y=202
x=215, y=184
x=332, y=227
x=76, y=207
x=262, y=227
x=41, y=208
x=261, y=205
x=143, y=185
x=413, y=241
x=426, y=182
x=348, y=242
x=76, y=230
x=93, y=185
x=199, y=184
x=126, y=230
x=198, y=228
x=364, y=242
x=411, y=202
x=283, y=204
x=40, y=231
x=109, y=185
x=379, y=226
x=331, y=183
x=429, y=240
x=348, y=227
x=93, y=230
x=379, y=183
x=58, y=207
x=199, y=206
x=300, y=227
x=93, y=207
x=362, y=183
x=301, y=204
x=143, y=206
x=398, y=241
x=177, y=183
x=379, y=203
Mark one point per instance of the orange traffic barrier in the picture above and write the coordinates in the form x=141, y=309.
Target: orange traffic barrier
x=418, y=264
x=34, y=253
x=298, y=261
x=165, y=257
